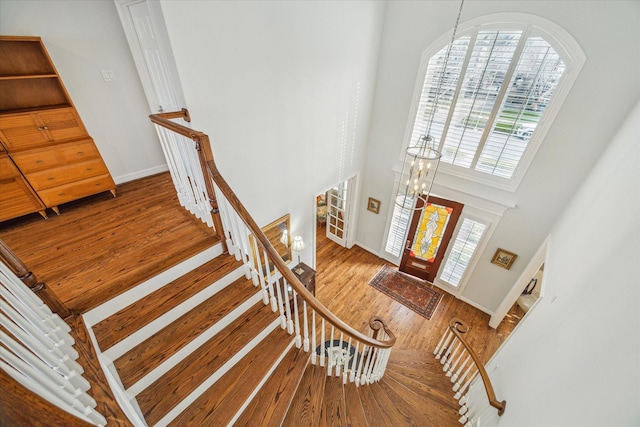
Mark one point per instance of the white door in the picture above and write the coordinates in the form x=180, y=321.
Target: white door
x=146, y=33
x=339, y=205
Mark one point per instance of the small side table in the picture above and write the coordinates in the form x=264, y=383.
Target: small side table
x=307, y=276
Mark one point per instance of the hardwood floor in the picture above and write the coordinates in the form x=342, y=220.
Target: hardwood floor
x=342, y=284
x=100, y=246
x=84, y=254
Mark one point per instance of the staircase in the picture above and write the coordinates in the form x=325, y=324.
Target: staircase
x=204, y=349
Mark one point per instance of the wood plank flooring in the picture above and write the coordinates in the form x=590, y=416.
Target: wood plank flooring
x=342, y=284
x=100, y=246
x=84, y=254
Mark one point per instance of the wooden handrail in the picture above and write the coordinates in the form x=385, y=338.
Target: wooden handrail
x=458, y=327
x=204, y=147
x=18, y=268
x=204, y=154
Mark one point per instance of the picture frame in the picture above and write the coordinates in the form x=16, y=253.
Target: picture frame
x=373, y=205
x=273, y=232
x=503, y=258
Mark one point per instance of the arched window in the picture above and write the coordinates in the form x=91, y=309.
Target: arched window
x=505, y=79
x=494, y=99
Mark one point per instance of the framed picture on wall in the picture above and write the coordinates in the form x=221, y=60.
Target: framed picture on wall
x=504, y=258
x=373, y=205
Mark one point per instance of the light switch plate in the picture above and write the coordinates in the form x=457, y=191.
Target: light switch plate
x=109, y=75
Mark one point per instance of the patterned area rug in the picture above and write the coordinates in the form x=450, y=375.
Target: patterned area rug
x=412, y=293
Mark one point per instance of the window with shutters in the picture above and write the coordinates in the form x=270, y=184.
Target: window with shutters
x=490, y=100
x=462, y=251
x=505, y=78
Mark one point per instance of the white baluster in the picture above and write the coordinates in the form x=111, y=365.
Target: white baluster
x=455, y=376
x=450, y=356
x=442, y=345
x=354, y=361
x=306, y=326
x=361, y=365
x=447, y=352
x=330, y=353
x=313, y=337
x=223, y=207
x=465, y=385
x=270, y=277
x=296, y=318
x=287, y=305
x=322, y=342
x=36, y=352
x=345, y=371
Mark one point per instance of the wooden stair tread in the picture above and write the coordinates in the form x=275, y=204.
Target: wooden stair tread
x=306, y=406
x=117, y=275
x=355, y=411
x=435, y=386
x=334, y=407
x=269, y=406
x=398, y=393
x=167, y=391
x=387, y=411
x=220, y=403
x=133, y=317
x=147, y=355
x=414, y=359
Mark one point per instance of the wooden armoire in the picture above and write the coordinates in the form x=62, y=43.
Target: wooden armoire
x=47, y=157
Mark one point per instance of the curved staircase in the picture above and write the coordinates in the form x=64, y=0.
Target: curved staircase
x=204, y=350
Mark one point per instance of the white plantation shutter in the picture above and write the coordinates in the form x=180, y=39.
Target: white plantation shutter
x=397, y=230
x=532, y=83
x=462, y=251
x=495, y=88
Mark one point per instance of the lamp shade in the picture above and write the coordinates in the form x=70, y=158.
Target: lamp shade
x=298, y=244
x=285, y=237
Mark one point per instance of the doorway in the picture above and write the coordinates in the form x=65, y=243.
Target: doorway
x=527, y=299
x=430, y=231
x=333, y=211
x=146, y=33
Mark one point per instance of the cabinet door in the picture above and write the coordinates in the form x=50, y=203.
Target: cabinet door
x=16, y=197
x=36, y=129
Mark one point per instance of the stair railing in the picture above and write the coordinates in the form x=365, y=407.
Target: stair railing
x=37, y=354
x=333, y=344
x=18, y=268
x=195, y=193
x=471, y=383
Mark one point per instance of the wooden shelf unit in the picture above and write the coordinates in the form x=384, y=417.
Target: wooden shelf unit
x=41, y=135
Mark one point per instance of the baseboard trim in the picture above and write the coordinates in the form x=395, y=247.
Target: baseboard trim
x=368, y=249
x=476, y=305
x=140, y=174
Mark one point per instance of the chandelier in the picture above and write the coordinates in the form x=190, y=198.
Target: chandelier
x=422, y=157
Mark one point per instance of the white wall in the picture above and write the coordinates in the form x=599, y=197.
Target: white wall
x=607, y=87
x=284, y=90
x=292, y=93
x=83, y=38
x=575, y=358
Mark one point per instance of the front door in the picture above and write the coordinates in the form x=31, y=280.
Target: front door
x=430, y=230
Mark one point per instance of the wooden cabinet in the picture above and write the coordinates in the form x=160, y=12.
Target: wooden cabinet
x=306, y=275
x=48, y=153
x=16, y=197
